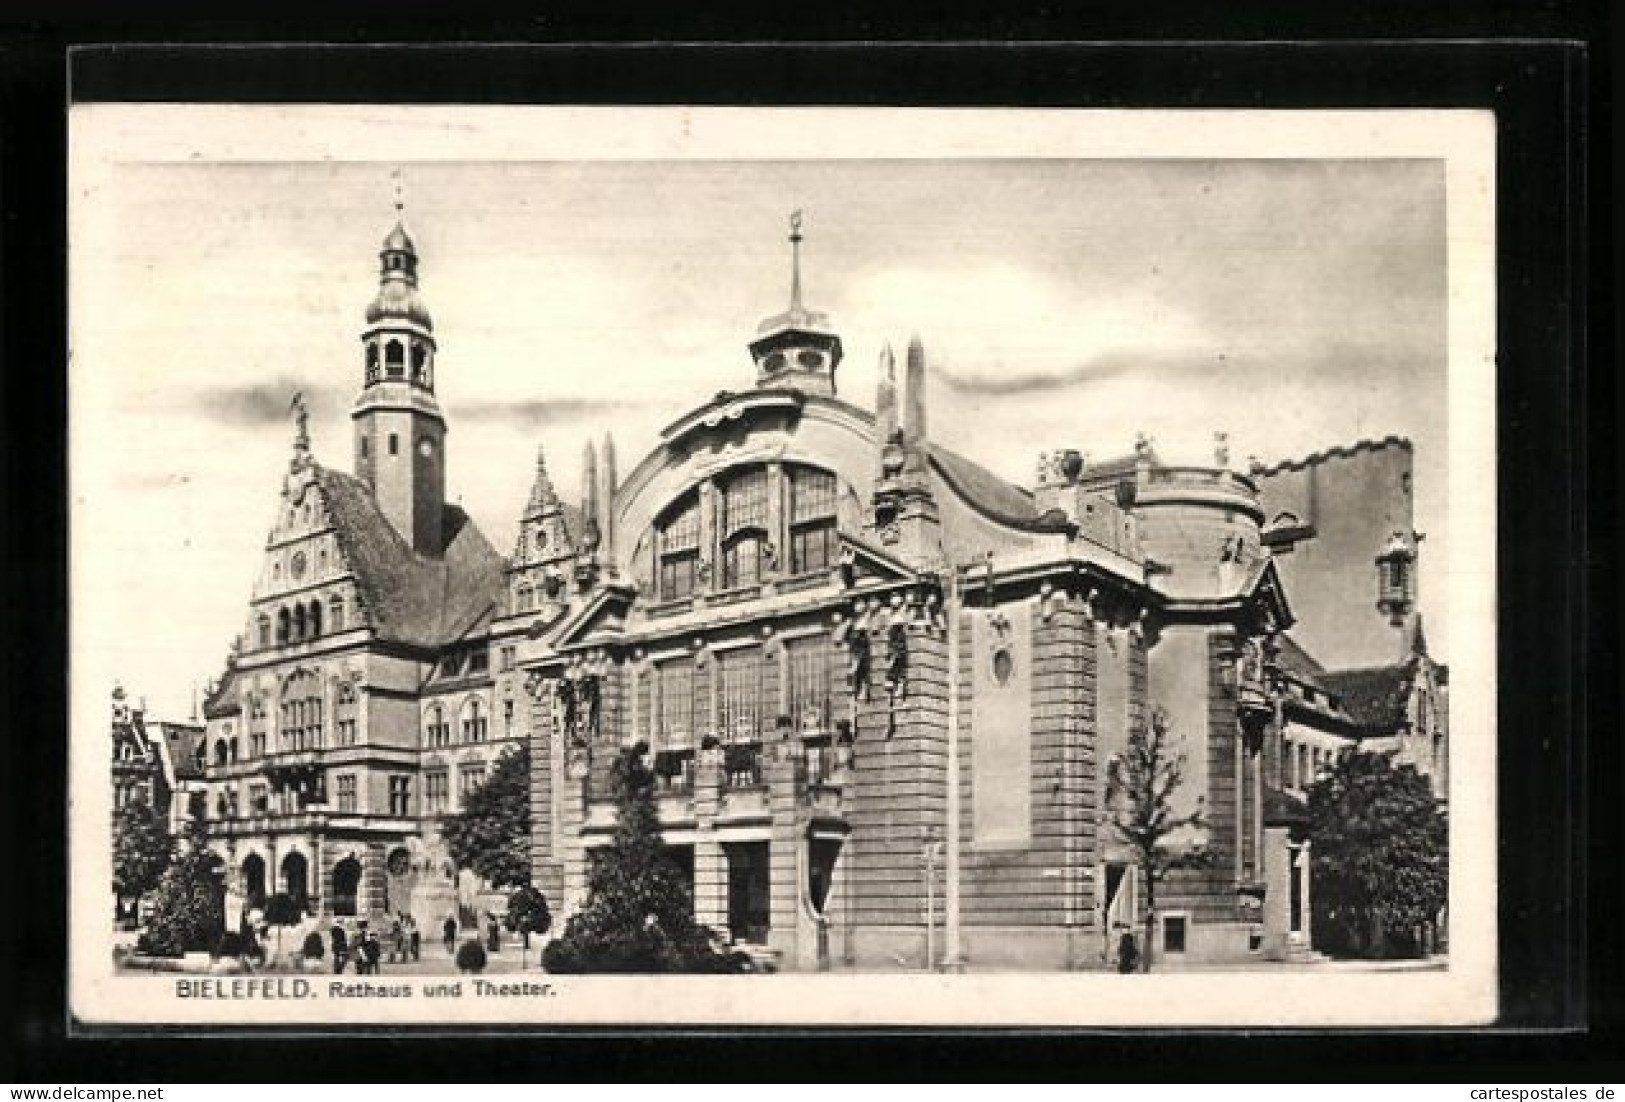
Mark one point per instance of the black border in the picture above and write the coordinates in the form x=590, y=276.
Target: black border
x=1551, y=607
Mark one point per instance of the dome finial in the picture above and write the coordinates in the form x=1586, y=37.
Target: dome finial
x=795, y=260
x=400, y=192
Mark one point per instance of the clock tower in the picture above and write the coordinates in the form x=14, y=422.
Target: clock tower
x=400, y=434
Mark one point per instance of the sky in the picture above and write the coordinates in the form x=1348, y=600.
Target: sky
x=1295, y=304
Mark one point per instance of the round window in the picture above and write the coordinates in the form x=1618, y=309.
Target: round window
x=1003, y=666
x=774, y=363
x=809, y=358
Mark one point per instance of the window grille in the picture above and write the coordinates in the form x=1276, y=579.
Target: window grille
x=812, y=494
x=436, y=792
x=744, y=502
x=809, y=690
x=739, y=694
x=674, y=726
x=345, y=788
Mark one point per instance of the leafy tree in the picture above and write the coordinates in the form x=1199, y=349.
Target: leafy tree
x=528, y=913
x=639, y=915
x=1143, y=781
x=189, y=909
x=1380, y=845
x=491, y=835
x=142, y=850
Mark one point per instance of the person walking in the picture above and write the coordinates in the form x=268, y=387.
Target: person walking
x=397, y=943
x=493, y=933
x=374, y=950
x=341, y=949
x=1128, y=955
x=449, y=932
x=414, y=939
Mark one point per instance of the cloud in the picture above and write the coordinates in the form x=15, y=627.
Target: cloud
x=249, y=405
x=543, y=411
x=1160, y=365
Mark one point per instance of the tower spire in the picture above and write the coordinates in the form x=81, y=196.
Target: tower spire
x=795, y=262
x=914, y=422
x=542, y=495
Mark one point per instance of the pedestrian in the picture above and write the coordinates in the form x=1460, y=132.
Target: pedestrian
x=397, y=943
x=375, y=952
x=414, y=938
x=493, y=933
x=1128, y=954
x=341, y=949
x=449, y=932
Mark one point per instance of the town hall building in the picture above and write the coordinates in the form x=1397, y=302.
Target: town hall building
x=812, y=616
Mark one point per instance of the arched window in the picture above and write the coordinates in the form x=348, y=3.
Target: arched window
x=744, y=527
x=298, y=622
x=372, y=362
x=222, y=753
x=315, y=618
x=284, y=626
x=420, y=362
x=474, y=721
x=394, y=359
x=436, y=731
x=233, y=750
x=524, y=597
x=678, y=548
x=812, y=520
x=301, y=711
x=335, y=612
x=264, y=625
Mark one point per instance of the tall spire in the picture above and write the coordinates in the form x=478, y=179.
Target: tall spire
x=795, y=262
x=606, y=519
x=914, y=422
x=589, y=500
x=886, y=394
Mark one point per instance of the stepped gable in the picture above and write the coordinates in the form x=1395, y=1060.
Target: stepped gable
x=1341, y=451
x=1374, y=697
x=413, y=599
x=990, y=494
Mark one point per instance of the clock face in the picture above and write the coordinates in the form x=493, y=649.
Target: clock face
x=426, y=447
x=297, y=565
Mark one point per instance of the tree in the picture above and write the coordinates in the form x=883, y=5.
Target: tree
x=189, y=908
x=142, y=850
x=639, y=915
x=491, y=835
x=1142, y=783
x=1381, y=846
x=528, y=913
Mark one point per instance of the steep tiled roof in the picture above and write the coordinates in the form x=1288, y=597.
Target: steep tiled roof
x=412, y=598
x=1374, y=697
x=223, y=699
x=990, y=494
x=183, y=741
x=1299, y=663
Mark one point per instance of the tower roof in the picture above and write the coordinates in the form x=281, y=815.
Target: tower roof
x=398, y=297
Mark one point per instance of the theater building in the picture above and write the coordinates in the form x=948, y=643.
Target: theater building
x=836, y=638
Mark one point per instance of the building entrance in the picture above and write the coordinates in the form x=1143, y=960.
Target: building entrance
x=749, y=908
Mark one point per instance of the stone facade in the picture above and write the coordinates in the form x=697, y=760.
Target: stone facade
x=881, y=688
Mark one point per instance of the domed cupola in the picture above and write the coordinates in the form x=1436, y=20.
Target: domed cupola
x=797, y=349
x=398, y=283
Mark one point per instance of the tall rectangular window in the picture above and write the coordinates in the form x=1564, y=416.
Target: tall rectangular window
x=812, y=520
x=739, y=694
x=436, y=792
x=674, y=724
x=469, y=778
x=809, y=695
x=678, y=550
x=344, y=786
x=400, y=795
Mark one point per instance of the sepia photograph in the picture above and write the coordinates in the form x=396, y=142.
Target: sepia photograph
x=826, y=566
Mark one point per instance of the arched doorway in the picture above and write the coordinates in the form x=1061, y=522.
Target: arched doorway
x=346, y=886
x=296, y=878
x=254, y=881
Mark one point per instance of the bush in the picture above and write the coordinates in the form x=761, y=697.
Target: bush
x=229, y=947
x=188, y=909
x=283, y=910
x=471, y=957
x=314, y=947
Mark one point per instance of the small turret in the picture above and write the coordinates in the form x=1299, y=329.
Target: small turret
x=797, y=349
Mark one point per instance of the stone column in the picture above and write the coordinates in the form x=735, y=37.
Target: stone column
x=784, y=894
x=710, y=862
